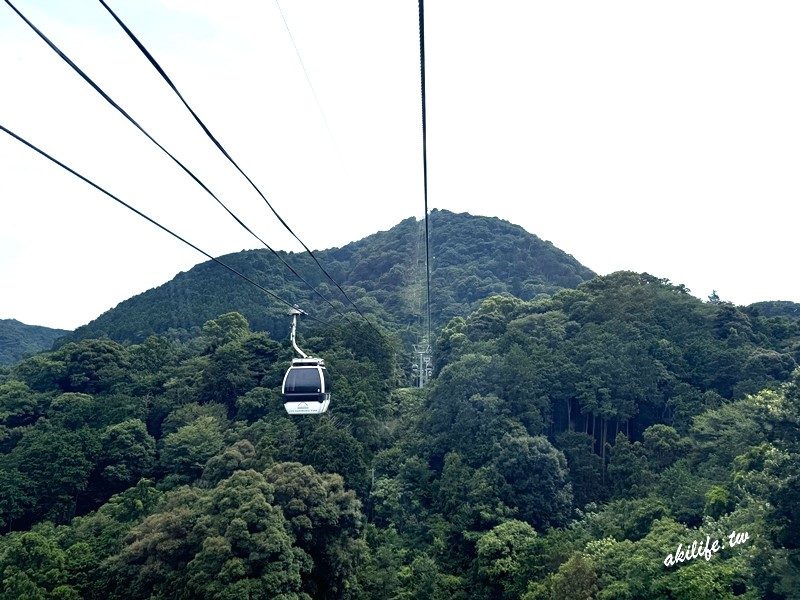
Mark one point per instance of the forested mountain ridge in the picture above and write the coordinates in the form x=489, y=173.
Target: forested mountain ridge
x=627, y=348
x=777, y=308
x=471, y=258
x=564, y=448
x=18, y=340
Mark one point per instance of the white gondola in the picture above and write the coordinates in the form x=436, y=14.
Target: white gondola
x=306, y=387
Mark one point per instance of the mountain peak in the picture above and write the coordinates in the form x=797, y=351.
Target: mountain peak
x=472, y=257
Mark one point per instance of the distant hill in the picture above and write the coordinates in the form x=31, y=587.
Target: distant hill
x=777, y=308
x=471, y=258
x=18, y=340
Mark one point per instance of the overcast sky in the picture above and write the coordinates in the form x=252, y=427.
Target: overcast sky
x=653, y=136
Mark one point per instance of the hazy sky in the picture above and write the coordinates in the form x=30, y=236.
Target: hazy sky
x=653, y=136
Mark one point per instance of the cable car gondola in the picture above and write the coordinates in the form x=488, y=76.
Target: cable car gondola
x=306, y=387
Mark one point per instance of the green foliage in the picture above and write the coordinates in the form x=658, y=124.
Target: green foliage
x=18, y=340
x=225, y=329
x=662, y=446
x=34, y=562
x=469, y=425
x=49, y=468
x=627, y=467
x=326, y=521
x=275, y=439
x=567, y=444
x=684, y=491
x=127, y=454
x=535, y=475
x=189, y=413
x=19, y=405
x=230, y=541
x=379, y=575
x=585, y=467
x=257, y=403
x=621, y=353
x=575, y=579
x=186, y=451
x=241, y=456
x=718, y=501
x=505, y=558
x=337, y=451
x=93, y=366
x=42, y=373
x=777, y=308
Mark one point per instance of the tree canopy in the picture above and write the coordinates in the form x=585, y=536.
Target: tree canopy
x=567, y=444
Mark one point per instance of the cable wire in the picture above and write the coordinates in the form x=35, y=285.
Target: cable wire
x=151, y=220
x=308, y=77
x=124, y=113
x=216, y=142
x=424, y=157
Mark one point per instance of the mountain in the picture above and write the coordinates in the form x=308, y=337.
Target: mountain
x=472, y=257
x=777, y=308
x=18, y=340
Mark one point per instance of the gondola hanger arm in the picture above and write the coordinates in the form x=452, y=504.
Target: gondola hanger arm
x=294, y=312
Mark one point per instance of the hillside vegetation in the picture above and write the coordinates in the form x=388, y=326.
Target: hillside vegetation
x=472, y=258
x=566, y=446
x=18, y=340
x=776, y=308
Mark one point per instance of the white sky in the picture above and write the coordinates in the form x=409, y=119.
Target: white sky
x=653, y=136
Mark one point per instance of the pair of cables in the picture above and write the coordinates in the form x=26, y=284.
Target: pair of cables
x=424, y=161
x=183, y=167
x=147, y=218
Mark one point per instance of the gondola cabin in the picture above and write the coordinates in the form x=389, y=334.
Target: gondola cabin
x=306, y=387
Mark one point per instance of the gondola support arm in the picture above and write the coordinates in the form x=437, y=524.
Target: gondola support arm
x=294, y=313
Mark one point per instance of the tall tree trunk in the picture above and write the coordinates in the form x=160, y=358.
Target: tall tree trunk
x=569, y=414
x=603, y=436
x=603, y=450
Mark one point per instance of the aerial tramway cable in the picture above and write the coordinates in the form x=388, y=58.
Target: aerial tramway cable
x=425, y=159
x=150, y=219
x=219, y=146
x=124, y=113
x=308, y=77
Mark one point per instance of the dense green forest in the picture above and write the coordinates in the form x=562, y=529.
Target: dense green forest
x=777, y=308
x=567, y=444
x=18, y=340
x=473, y=257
